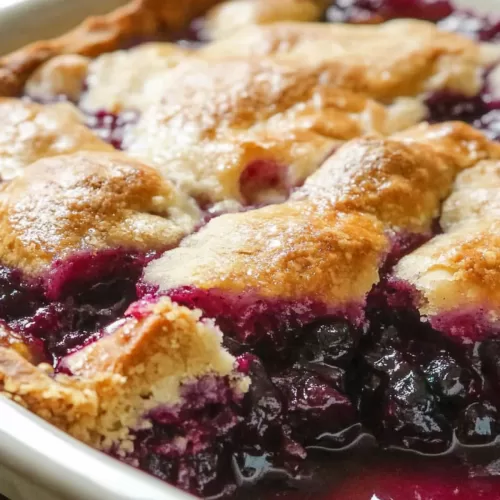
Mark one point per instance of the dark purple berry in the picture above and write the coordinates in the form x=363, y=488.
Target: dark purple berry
x=313, y=407
x=264, y=404
x=478, y=423
x=331, y=343
x=449, y=381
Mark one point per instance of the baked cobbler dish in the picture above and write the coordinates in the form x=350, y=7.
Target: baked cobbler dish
x=253, y=248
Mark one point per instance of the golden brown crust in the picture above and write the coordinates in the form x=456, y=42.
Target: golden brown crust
x=400, y=185
x=68, y=404
x=402, y=180
x=397, y=58
x=145, y=362
x=193, y=347
x=212, y=119
x=96, y=35
x=476, y=196
x=463, y=143
x=326, y=243
x=30, y=131
x=289, y=251
x=88, y=201
x=457, y=271
x=62, y=75
x=460, y=269
x=12, y=340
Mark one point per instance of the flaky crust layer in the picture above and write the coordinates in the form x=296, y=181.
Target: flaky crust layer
x=403, y=179
x=457, y=271
x=460, y=269
x=96, y=35
x=327, y=242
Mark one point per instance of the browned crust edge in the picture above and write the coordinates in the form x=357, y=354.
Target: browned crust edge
x=99, y=34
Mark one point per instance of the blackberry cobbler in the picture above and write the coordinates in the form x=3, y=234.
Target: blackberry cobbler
x=253, y=248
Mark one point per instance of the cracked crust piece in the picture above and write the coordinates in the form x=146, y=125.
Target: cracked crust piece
x=88, y=202
x=397, y=58
x=401, y=180
x=214, y=119
x=400, y=185
x=142, y=363
x=30, y=131
x=290, y=251
x=459, y=270
x=96, y=35
x=230, y=16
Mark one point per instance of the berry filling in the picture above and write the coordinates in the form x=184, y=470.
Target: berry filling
x=376, y=11
x=482, y=111
x=111, y=127
x=189, y=445
x=446, y=377
x=252, y=319
x=264, y=181
x=68, y=307
x=481, y=28
x=321, y=383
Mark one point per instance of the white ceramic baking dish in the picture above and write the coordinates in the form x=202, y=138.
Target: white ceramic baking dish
x=38, y=461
